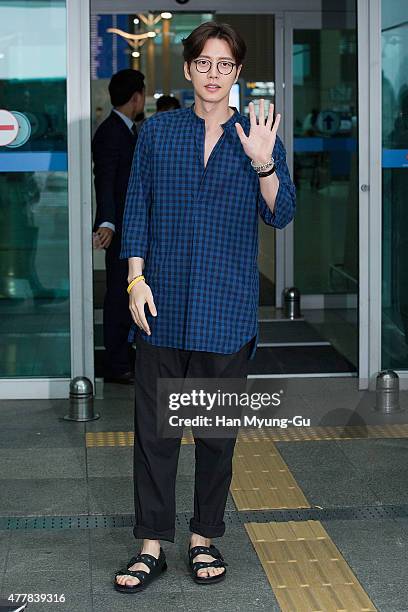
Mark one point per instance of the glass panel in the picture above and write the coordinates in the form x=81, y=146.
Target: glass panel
x=34, y=274
x=325, y=161
x=395, y=183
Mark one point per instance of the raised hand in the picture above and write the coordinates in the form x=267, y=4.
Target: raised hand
x=262, y=134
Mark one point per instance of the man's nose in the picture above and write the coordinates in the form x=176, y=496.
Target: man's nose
x=213, y=70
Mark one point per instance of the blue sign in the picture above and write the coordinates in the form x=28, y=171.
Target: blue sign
x=109, y=52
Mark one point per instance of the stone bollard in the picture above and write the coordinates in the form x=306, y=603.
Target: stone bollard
x=387, y=392
x=291, y=300
x=81, y=407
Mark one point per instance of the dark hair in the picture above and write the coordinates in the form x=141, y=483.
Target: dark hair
x=165, y=103
x=195, y=41
x=124, y=84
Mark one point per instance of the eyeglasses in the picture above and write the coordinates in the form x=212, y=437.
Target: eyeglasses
x=223, y=67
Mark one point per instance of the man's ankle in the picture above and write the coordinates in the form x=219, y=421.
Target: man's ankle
x=151, y=544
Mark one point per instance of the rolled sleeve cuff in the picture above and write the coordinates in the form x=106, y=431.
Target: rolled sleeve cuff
x=284, y=209
x=127, y=253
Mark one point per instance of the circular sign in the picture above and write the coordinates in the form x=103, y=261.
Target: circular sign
x=24, y=130
x=8, y=128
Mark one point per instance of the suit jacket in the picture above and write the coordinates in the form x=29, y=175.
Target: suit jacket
x=112, y=150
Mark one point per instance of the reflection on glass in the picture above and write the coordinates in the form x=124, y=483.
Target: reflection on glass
x=325, y=161
x=34, y=275
x=395, y=183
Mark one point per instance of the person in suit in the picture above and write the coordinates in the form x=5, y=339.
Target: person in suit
x=112, y=150
x=166, y=103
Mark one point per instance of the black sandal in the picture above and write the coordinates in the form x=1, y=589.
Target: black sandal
x=157, y=566
x=218, y=562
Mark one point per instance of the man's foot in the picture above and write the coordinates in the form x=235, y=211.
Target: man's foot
x=151, y=548
x=204, y=572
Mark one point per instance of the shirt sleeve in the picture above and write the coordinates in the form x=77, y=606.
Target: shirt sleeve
x=107, y=224
x=138, y=198
x=285, y=203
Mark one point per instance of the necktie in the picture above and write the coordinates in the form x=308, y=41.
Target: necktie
x=133, y=129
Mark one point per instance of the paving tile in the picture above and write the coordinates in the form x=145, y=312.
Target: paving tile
x=30, y=463
x=45, y=496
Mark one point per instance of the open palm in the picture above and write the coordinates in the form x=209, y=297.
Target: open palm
x=262, y=134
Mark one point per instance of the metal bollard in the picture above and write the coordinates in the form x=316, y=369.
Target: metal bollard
x=291, y=299
x=81, y=406
x=387, y=392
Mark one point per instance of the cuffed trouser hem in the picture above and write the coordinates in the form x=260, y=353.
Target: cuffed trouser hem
x=207, y=531
x=141, y=532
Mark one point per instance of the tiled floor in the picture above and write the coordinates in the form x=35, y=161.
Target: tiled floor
x=47, y=470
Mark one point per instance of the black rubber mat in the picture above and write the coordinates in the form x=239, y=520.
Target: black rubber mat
x=238, y=517
x=299, y=360
x=288, y=332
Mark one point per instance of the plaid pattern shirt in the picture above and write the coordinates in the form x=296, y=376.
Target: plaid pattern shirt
x=196, y=228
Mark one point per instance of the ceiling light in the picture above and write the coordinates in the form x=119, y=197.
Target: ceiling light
x=135, y=54
x=135, y=21
x=166, y=15
x=151, y=34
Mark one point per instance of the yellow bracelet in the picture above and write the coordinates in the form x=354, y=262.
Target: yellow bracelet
x=134, y=281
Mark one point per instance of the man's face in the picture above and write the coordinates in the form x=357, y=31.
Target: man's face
x=212, y=86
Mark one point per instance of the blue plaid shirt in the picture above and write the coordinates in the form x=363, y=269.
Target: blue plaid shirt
x=197, y=230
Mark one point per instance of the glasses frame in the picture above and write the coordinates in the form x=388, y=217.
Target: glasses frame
x=211, y=65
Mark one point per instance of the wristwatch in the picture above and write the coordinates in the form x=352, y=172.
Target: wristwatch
x=268, y=173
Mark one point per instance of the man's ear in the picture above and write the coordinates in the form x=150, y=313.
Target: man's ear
x=187, y=71
x=238, y=72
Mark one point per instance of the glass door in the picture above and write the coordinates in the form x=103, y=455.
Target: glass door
x=34, y=249
x=321, y=119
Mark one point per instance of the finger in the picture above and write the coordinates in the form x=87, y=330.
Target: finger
x=269, y=120
x=134, y=313
x=252, y=116
x=276, y=124
x=152, y=306
x=143, y=320
x=261, y=120
x=241, y=134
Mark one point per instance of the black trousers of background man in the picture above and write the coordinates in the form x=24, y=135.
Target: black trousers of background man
x=117, y=320
x=156, y=458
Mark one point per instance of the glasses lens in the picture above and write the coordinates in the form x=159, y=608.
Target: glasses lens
x=202, y=65
x=225, y=67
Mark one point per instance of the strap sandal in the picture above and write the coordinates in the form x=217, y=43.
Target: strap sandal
x=157, y=566
x=197, y=565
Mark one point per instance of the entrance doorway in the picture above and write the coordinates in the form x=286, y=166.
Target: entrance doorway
x=305, y=63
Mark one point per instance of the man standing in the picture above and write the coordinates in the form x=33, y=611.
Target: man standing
x=112, y=149
x=200, y=178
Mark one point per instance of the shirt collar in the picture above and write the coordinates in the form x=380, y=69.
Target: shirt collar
x=128, y=121
x=231, y=121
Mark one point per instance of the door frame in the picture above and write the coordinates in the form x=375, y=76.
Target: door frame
x=369, y=55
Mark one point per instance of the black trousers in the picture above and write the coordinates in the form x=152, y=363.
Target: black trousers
x=156, y=458
x=117, y=320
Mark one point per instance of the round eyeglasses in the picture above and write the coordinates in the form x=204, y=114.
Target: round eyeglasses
x=223, y=67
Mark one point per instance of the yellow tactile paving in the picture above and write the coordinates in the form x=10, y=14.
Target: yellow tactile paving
x=305, y=569
x=291, y=434
x=262, y=480
x=119, y=438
